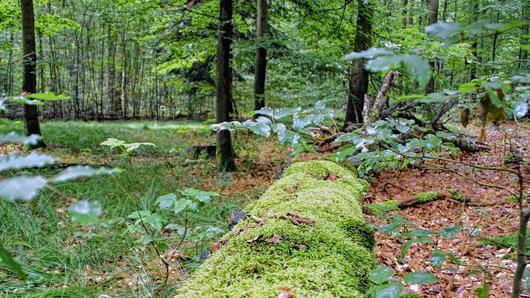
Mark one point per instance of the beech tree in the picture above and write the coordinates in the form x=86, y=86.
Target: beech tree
x=224, y=85
x=261, y=55
x=358, y=77
x=29, y=85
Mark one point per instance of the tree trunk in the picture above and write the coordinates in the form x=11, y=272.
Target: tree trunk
x=405, y=13
x=523, y=52
x=433, y=19
x=31, y=113
x=261, y=55
x=358, y=78
x=474, y=43
x=224, y=85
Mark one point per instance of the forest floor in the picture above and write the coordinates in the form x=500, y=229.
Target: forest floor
x=487, y=254
x=109, y=259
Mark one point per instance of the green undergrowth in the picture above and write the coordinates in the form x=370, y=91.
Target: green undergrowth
x=506, y=241
x=68, y=260
x=305, y=234
x=77, y=136
x=425, y=197
x=382, y=208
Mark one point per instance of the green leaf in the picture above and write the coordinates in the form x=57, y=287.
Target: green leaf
x=166, y=201
x=33, y=160
x=420, y=278
x=483, y=291
x=260, y=127
x=494, y=98
x=380, y=274
x=383, y=63
x=520, y=109
x=25, y=100
x=467, y=88
x=438, y=258
x=21, y=187
x=48, y=96
x=450, y=232
x=443, y=30
x=133, y=146
x=112, y=143
x=282, y=113
x=202, y=196
x=368, y=54
x=418, y=67
x=391, y=290
x=7, y=261
x=76, y=172
x=182, y=205
x=14, y=138
x=85, y=212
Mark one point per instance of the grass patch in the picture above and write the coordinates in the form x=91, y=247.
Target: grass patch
x=68, y=260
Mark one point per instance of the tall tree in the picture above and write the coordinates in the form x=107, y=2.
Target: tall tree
x=523, y=51
x=358, y=77
x=29, y=85
x=261, y=55
x=433, y=19
x=224, y=85
x=475, y=6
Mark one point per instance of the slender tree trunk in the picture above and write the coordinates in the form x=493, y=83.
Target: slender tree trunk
x=433, y=19
x=410, y=18
x=405, y=12
x=358, y=78
x=261, y=55
x=523, y=52
x=494, y=45
x=474, y=43
x=31, y=113
x=444, y=11
x=224, y=85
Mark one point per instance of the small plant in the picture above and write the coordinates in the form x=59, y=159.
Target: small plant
x=127, y=149
x=388, y=286
x=174, y=219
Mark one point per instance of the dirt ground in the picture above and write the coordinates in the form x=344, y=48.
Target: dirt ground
x=487, y=214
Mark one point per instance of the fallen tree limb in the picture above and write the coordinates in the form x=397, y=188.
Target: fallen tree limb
x=418, y=200
x=306, y=236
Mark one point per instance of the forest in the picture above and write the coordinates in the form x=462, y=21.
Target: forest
x=264, y=148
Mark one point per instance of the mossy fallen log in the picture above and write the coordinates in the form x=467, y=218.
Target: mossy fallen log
x=305, y=235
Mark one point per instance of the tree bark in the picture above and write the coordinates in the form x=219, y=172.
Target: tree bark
x=261, y=55
x=224, y=85
x=433, y=19
x=31, y=113
x=358, y=78
x=523, y=52
x=405, y=13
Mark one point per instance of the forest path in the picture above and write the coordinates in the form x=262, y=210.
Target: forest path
x=487, y=215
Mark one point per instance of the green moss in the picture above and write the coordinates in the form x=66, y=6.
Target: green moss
x=381, y=208
x=506, y=240
x=456, y=194
x=512, y=199
x=330, y=258
x=426, y=196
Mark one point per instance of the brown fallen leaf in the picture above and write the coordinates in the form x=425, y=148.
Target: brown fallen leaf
x=274, y=239
x=254, y=239
x=285, y=293
x=331, y=177
x=217, y=245
x=257, y=220
x=301, y=246
x=297, y=220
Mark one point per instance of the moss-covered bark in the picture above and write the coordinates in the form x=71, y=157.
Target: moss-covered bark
x=306, y=233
